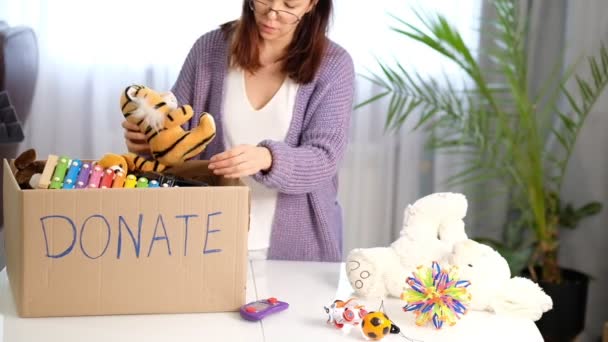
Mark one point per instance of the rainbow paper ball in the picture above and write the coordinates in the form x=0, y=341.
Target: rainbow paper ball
x=436, y=294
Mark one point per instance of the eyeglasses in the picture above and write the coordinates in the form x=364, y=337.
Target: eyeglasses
x=264, y=8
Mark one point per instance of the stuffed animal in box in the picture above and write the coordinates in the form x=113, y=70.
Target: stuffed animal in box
x=160, y=119
x=431, y=227
x=492, y=288
x=115, y=162
x=28, y=169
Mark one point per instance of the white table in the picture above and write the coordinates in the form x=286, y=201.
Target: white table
x=306, y=286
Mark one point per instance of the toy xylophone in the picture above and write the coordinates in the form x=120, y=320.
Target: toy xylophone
x=62, y=172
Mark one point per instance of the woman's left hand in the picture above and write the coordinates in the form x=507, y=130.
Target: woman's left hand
x=241, y=161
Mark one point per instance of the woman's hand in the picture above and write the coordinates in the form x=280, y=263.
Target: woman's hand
x=241, y=161
x=136, y=140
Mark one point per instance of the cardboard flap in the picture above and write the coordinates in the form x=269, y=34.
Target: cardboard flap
x=13, y=232
x=199, y=170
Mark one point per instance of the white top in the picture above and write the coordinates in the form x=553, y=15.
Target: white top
x=245, y=125
x=306, y=286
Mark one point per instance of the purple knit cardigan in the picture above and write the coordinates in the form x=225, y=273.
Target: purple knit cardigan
x=308, y=219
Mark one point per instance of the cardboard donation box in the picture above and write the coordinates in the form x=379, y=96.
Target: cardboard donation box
x=127, y=251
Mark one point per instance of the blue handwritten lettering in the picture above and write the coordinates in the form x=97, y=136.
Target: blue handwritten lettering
x=164, y=237
x=136, y=243
x=205, y=250
x=186, y=217
x=68, y=250
x=82, y=234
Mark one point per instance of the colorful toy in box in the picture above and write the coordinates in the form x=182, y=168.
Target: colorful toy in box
x=64, y=173
x=119, y=180
x=160, y=118
x=46, y=177
x=436, y=295
x=83, y=176
x=72, y=177
x=95, y=178
x=114, y=162
x=107, y=179
x=60, y=171
x=131, y=181
x=170, y=180
x=142, y=182
x=28, y=169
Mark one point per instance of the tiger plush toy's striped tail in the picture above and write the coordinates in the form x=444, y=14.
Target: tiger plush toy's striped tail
x=160, y=119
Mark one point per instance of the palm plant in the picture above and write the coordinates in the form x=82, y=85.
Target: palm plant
x=504, y=133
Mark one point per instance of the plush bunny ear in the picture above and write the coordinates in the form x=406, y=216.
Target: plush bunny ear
x=25, y=159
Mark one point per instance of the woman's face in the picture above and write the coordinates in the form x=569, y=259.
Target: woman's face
x=278, y=19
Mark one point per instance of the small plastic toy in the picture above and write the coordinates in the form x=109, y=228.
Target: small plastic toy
x=96, y=175
x=59, y=174
x=83, y=176
x=170, y=180
x=259, y=309
x=47, y=173
x=376, y=325
x=107, y=179
x=131, y=181
x=153, y=184
x=119, y=180
x=341, y=312
x=436, y=294
x=142, y=182
x=72, y=176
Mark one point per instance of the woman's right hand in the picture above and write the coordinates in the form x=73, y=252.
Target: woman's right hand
x=136, y=140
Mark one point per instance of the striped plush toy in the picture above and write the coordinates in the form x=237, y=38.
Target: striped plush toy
x=160, y=119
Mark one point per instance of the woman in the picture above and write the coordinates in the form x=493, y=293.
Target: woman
x=281, y=95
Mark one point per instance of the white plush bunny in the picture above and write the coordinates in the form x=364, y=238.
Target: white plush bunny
x=433, y=230
x=492, y=287
x=431, y=227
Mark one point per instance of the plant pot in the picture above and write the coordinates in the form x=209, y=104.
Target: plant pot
x=567, y=318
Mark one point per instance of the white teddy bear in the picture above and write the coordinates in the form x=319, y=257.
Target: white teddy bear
x=433, y=230
x=431, y=227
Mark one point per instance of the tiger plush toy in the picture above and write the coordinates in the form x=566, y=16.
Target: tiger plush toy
x=160, y=119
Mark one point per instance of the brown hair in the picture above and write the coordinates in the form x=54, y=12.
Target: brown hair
x=304, y=53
